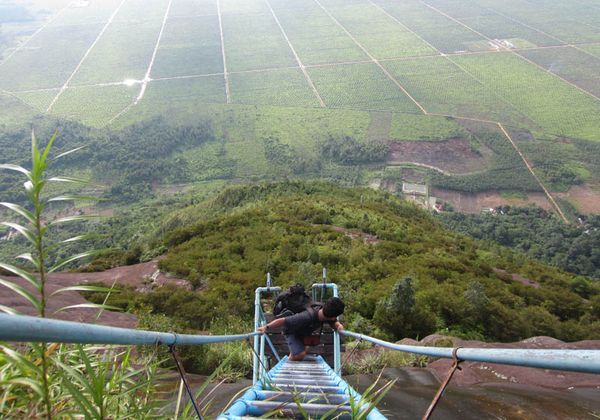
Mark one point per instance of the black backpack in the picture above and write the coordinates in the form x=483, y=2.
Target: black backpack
x=291, y=302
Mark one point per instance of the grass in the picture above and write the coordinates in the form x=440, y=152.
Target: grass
x=190, y=45
x=513, y=195
x=360, y=86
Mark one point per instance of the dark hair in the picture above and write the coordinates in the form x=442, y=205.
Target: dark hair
x=333, y=307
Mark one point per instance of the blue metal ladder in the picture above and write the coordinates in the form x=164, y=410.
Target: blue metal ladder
x=291, y=389
x=307, y=388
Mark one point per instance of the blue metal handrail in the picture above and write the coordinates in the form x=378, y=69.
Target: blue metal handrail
x=337, y=360
x=22, y=328
x=258, y=358
x=587, y=361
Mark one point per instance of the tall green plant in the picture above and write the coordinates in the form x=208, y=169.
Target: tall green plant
x=34, y=269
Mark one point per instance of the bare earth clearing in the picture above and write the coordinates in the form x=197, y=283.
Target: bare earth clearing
x=474, y=202
x=584, y=197
x=453, y=155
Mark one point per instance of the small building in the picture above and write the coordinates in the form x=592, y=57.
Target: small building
x=414, y=189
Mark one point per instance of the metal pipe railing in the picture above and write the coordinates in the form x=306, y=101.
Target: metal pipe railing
x=337, y=359
x=22, y=328
x=587, y=361
x=259, y=341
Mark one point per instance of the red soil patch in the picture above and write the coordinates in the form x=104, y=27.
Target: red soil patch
x=141, y=276
x=88, y=315
x=488, y=373
x=353, y=234
x=584, y=197
x=453, y=155
x=473, y=203
x=516, y=277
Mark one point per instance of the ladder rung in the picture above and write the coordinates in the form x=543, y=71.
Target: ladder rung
x=262, y=407
x=313, y=397
x=311, y=378
x=311, y=388
x=298, y=381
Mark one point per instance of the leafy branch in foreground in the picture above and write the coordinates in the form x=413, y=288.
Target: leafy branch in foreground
x=28, y=378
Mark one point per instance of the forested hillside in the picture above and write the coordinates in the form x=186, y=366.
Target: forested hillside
x=539, y=234
x=401, y=272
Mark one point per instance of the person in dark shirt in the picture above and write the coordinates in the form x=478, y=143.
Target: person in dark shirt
x=300, y=325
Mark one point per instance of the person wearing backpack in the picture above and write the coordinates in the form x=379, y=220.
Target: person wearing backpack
x=299, y=317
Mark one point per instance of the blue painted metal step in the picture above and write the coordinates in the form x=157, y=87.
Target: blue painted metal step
x=295, y=389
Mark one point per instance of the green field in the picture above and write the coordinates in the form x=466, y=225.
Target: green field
x=190, y=45
x=315, y=39
x=379, y=33
x=257, y=88
x=267, y=73
x=94, y=106
x=359, y=86
x=557, y=107
x=48, y=60
x=577, y=66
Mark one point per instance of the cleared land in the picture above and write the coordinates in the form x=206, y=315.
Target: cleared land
x=455, y=156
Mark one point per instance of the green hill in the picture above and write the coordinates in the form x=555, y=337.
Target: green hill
x=401, y=273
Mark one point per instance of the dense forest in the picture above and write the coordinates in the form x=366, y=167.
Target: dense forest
x=128, y=161
x=400, y=271
x=572, y=247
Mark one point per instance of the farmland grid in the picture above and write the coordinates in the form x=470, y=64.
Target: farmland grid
x=514, y=145
x=372, y=58
x=302, y=67
x=64, y=87
x=508, y=49
x=40, y=29
x=225, y=75
x=271, y=63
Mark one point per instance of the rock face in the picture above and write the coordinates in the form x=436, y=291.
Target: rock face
x=473, y=373
x=141, y=276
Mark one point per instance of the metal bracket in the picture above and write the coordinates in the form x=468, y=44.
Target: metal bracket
x=440, y=392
